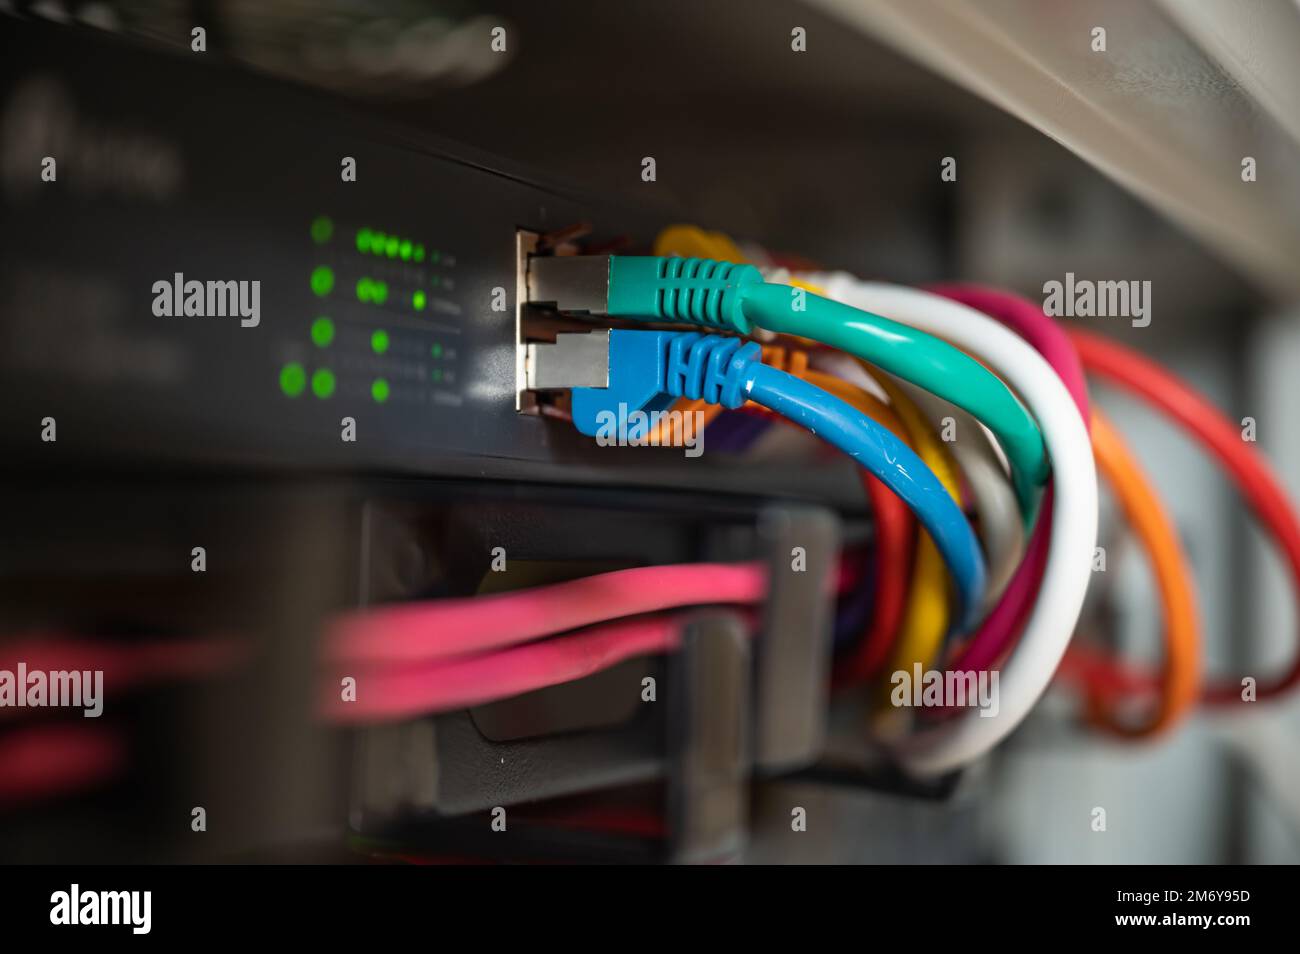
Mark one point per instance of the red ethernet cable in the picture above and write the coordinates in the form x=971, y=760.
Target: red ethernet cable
x=1247, y=468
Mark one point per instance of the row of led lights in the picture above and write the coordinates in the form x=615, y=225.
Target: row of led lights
x=370, y=291
x=294, y=379
x=294, y=382
x=374, y=242
x=322, y=335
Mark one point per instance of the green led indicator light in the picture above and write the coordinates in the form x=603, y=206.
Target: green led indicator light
x=322, y=332
x=418, y=301
x=322, y=280
x=375, y=242
x=434, y=256
x=322, y=383
x=292, y=379
x=435, y=281
x=436, y=375
x=436, y=350
x=321, y=229
x=379, y=341
x=379, y=390
x=369, y=290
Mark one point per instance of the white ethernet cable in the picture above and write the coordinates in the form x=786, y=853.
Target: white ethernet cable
x=1031, y=665
x=977, y=454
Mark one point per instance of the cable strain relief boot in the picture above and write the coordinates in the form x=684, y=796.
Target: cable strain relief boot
x=700, y=291
x=709, y=368
x=649, y=369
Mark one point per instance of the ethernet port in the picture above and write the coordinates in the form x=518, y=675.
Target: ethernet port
x=537, y=323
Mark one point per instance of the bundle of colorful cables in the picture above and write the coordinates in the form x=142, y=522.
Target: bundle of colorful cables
x=1029, y=627
x=952, y=400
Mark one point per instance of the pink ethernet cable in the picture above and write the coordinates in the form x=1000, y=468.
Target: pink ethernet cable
x=438, y=629
x=406, y=691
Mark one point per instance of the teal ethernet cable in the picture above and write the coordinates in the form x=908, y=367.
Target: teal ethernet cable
x=730, y=297
x=648, y=369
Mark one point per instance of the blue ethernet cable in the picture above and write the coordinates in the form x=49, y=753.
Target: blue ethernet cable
x=648, y=369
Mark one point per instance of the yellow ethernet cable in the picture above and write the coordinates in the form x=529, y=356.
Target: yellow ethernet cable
x=926, y=616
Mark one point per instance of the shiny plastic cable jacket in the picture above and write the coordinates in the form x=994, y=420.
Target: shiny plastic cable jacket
x=890, y=459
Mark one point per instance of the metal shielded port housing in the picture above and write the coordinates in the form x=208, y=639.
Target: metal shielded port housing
x=575, y=360
x=542, y=365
